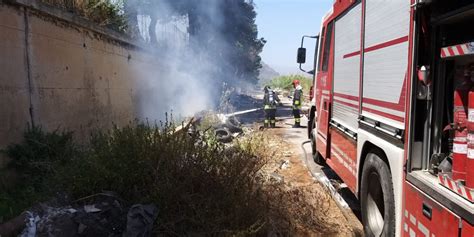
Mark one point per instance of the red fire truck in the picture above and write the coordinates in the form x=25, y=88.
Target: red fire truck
x=393, y=112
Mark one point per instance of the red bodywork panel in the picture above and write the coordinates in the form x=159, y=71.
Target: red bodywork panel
x=467, y=230
x=442, y=222
x=344, y=158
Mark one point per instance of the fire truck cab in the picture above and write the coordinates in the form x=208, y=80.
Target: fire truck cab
x=393, y=112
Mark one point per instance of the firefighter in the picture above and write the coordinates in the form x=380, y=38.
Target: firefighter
x=297, y=101
x=270, y=101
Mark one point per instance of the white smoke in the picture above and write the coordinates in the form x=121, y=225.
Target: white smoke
x=188, y=82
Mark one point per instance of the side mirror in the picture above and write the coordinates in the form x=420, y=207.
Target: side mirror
x=301, y=55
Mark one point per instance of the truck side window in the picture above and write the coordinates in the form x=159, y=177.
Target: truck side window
x=321, y=49
x=327, y=47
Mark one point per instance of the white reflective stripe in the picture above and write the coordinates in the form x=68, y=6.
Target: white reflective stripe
x=464, y=48
x=412, y=219
x=406, y=213
x=471, y=115
x=344, y=155
x=412, y=233
x=470, y=153
x=460, y=139
x=325, y=92
x=405, y=227
x=343, y=161
x=460, y=148
x=423, y=229
x=455, y=50
x=463, y=191
x=385, y=110
x=380, y=118
x=323, y=139
x=470, y=137
x=446, y=52
x=353, y=102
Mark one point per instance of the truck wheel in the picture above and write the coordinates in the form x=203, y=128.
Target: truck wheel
x=318, y=159
x=377, y=198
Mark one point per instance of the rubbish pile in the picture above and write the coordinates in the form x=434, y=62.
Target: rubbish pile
x=229, y=129
x=226, y=127
x=98, y=215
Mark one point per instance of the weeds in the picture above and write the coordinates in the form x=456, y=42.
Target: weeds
x=105, y=13
x=37, y=160
x=200, y=187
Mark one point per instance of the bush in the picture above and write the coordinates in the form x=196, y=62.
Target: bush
x=199, y=186
x=105, y=13
x=37, y=160
x=285, y=82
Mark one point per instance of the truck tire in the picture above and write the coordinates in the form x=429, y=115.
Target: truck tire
x=318, y=159
x=377, y=197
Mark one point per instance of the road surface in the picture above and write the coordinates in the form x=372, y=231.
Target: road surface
x=308, y=170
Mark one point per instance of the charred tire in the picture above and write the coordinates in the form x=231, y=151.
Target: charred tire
x=377, y=197
x=233, y=124
x=223, y=135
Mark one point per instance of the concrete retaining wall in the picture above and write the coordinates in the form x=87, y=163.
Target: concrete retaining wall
x=61, y=72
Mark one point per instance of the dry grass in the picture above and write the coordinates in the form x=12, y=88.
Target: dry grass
x=299, y=206
x=199, y=186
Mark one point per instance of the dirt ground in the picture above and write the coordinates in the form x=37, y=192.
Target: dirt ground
x=315, y=211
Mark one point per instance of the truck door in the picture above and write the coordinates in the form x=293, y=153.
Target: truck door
x=324, y=94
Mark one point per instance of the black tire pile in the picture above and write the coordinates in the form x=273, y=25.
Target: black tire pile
x=224, y=132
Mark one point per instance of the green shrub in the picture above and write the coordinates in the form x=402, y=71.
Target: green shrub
x=36, y=160
x=199, y=186
x=105, y=13
x=285, y=82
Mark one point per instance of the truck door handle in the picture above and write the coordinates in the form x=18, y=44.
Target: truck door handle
x=427, y=211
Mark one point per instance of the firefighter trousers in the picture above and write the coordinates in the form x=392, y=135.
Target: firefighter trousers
x=297, y=115
x=270, y=120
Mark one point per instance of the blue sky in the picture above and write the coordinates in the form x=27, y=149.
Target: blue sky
x=282, y=23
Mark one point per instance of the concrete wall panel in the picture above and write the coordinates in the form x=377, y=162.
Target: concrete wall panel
x=14, y=90
x=80, y=79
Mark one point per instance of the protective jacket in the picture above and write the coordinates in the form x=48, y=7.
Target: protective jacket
x=297, y=97
x=270, y=100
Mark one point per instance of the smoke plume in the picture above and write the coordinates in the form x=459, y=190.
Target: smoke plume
x=202, y=46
